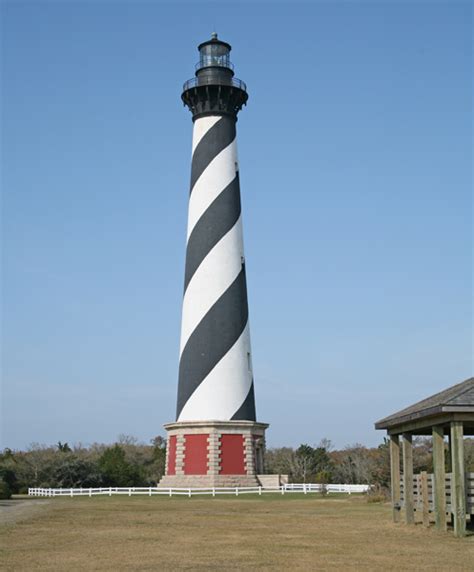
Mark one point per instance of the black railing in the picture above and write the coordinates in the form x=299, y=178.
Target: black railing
x=197, y=81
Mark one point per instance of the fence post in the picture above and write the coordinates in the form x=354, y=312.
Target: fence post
x=170, y=493
x=110, y=491
x=282, y=490
x=72, y=493
x=90, y=492
x=213, y=492
x=189, y=493
x=236, y=492
x=129, y=491
x=149, y=492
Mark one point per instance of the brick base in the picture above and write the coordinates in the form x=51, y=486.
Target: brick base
x=183, y=461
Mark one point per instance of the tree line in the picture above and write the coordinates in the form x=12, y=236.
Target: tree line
x=128, y=463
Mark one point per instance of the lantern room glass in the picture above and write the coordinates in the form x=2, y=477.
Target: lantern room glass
x=214, y=55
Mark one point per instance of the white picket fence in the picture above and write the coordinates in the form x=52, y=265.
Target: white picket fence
x=317, y=488
x=189, y=492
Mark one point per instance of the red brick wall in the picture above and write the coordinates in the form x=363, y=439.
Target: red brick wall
x=195, y=454
x=232, y=455
x=172, y=455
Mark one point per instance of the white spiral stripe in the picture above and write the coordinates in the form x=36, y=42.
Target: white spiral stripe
x=213, y=277
x=219, y=173
x=224, y=390
x=202, y=126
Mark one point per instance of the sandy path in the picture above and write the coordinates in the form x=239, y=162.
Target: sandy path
x=12, y=511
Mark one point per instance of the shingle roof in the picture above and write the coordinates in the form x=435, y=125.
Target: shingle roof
x=459, y=397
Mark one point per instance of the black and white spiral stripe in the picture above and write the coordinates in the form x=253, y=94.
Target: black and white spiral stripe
x=215, y=370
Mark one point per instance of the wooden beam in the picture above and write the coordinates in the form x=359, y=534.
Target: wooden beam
x=425, y=498
x=458, y=485
x=408, y=478
x=425, y=424
x=439, y=474
x=395, y=476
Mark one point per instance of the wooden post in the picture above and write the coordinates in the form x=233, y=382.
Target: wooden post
x=395, y=476
x=439, y=478
x=425, y=498
x=449, y=460
x=458, y=487
x=408, y=478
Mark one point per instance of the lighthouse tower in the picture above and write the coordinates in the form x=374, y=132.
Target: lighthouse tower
x=216, y=440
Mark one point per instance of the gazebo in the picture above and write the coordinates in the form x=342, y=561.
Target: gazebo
x=448, y=413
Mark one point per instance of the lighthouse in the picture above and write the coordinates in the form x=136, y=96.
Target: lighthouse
x=216, y=439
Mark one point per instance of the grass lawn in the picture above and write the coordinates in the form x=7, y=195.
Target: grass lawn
x=272, y=532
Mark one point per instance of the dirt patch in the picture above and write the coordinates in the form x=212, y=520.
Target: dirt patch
x=16, y=510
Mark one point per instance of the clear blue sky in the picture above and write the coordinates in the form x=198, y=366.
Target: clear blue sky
x=355, y=157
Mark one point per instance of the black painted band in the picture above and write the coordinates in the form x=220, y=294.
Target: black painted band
x=216, y=139
x=217, y=332
x=246, y=411
x=214, y=224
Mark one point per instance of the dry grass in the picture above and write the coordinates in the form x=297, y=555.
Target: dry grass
x=252, y=533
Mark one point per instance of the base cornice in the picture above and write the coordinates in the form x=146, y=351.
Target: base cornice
x=216, y=424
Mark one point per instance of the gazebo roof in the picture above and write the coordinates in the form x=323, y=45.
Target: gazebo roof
x=456, y=399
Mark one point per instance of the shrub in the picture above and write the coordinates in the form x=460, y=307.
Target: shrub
x=5, y=492
x=116, y=471
x=378, y=494
x=323, y=477
x=9, y=478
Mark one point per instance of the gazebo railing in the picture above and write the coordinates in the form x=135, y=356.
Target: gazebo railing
x=418, y=500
